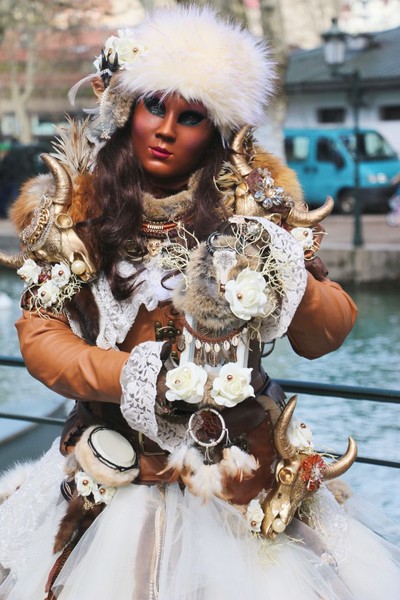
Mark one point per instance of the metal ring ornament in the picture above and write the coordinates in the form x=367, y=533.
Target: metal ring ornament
x=211, y=444
x=210, y=243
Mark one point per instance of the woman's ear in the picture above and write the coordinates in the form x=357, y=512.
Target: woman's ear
x=98, y=86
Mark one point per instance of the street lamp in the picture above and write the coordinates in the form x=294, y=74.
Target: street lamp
x=334, y=55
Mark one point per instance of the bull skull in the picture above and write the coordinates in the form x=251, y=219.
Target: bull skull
x=297, y=475
x=52, y=237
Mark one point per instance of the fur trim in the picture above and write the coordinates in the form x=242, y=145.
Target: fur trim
x=194, y=52
x=98, y=470
x=14, y=477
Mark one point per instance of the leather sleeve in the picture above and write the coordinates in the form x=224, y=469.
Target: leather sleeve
x=323, y=320
x=65, y=363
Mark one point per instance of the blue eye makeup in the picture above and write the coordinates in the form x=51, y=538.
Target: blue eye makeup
x=191, y=118
x=154, y=106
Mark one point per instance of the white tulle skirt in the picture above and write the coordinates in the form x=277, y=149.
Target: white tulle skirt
x=160, y=543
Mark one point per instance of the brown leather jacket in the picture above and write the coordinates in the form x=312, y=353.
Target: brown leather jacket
x=73, y=368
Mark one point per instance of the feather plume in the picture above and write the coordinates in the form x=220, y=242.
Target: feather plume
x=237, y=464
x=176, y=461
x=204, y=481
x=72, y=147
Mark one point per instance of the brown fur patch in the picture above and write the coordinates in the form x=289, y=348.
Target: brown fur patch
x=283, y=176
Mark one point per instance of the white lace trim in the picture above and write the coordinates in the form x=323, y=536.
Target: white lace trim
x=139, y=393
x=117, y=317
x=289, y=257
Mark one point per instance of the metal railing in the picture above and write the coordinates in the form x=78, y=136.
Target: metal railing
x=290, y=386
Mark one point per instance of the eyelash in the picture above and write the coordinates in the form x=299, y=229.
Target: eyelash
x=157, y=108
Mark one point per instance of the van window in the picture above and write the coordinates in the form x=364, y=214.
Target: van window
x=326, y=150
x=297, y=148
x=371, y=146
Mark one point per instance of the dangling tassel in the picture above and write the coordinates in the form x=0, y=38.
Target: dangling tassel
x=237, y=464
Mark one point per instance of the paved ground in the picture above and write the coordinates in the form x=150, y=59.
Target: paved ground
x=340, y=232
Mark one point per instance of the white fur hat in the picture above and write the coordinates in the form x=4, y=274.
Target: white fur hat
x=191, y=51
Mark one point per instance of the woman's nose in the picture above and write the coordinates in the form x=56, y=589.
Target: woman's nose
x=167, y=128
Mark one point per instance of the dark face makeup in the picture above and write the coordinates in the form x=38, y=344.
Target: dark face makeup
x=170, y=137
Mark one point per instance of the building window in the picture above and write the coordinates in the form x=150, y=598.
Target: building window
x=331, y=115
x=390, y=113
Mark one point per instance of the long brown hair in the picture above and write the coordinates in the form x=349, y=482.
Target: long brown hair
x=119, y=182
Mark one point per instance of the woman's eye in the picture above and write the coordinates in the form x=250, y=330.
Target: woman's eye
x=191, y=118
x=155, y=106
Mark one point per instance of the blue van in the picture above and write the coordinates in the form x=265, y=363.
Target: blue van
x=324, y=162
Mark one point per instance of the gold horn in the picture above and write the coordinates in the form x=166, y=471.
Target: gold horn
x=62, y=180
x=237, y=157
x=284, y=448
x=309, y=218
x=344, y=463
x=13, y=262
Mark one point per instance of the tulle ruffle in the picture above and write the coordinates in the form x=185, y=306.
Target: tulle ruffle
x=161, y=542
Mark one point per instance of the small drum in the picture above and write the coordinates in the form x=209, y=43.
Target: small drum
x=112, y=449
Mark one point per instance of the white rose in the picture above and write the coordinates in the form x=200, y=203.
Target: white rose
x=103, y=494
x=254, y=516
x=60, y=274
x=85, y=485
x=247, y=295
x=303, y=235
x=300, y=435
x=232, y=385
x=48, y=293
x=186, y=383
x=126, y=48
x=29, y=272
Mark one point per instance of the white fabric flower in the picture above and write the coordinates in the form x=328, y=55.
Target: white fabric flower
x=248, y=295
x=48, y=293
x=126, y=48
x=186, y=383
x=29, y=272
x=300, y=435
x=85, y=484
x=303, y=235
x=60, y=274
x=232, y=385
x=103, y=494
x=254, y=516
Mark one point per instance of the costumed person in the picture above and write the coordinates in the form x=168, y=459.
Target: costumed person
x=161, y=254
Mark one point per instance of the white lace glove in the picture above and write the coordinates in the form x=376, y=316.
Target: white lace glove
x=139, y=396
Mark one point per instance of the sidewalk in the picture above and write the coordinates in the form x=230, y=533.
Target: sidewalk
x=377, y=260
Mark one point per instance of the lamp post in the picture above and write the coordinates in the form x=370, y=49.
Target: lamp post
x=334, y=55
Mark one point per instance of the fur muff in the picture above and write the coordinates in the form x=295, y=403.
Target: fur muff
x=14, y=477
x=98, y=470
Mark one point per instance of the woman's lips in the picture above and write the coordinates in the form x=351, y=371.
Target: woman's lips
x=158, y=152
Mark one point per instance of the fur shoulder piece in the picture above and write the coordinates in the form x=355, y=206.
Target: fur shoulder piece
x=256, y=183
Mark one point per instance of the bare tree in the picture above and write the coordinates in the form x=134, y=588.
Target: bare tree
x=25, y=25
